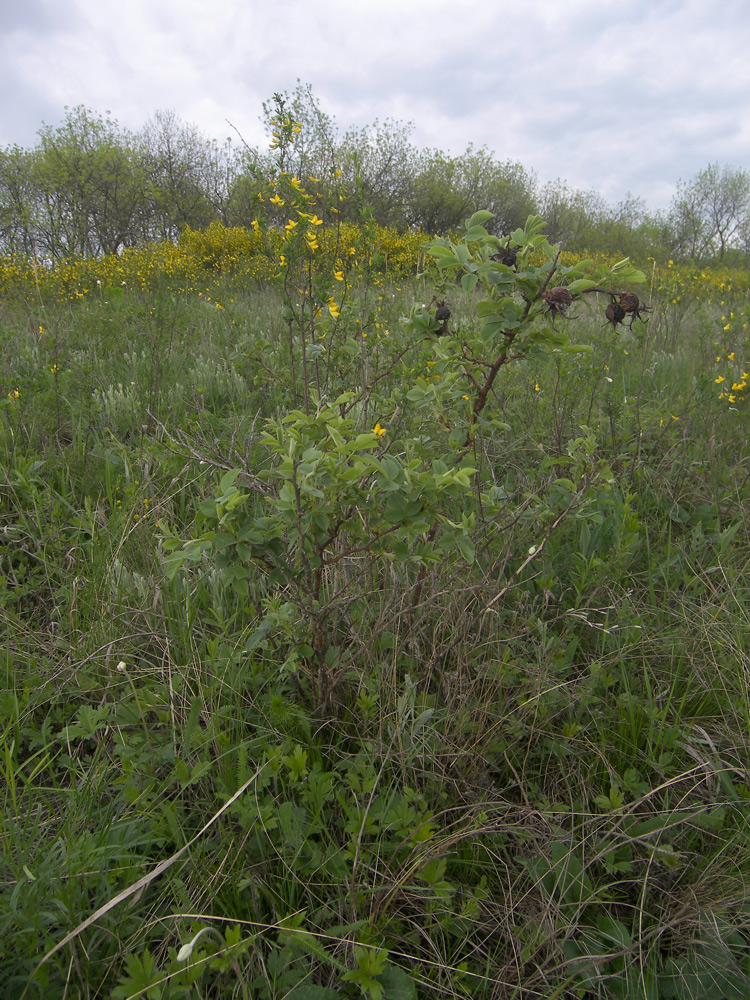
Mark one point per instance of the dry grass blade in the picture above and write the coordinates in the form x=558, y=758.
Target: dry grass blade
x=141, y=883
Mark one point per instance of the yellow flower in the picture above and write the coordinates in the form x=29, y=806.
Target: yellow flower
x=276, y=200
x=290, y=225
x=730, y=356
x=380, y=431
x=338, y=275
x=719, y=380
x=255, y=225
x=333, y=309
x=537, y=388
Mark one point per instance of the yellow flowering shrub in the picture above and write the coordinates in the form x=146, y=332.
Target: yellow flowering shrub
x=252, y=253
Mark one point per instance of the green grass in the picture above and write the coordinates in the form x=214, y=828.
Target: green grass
x=536, y=793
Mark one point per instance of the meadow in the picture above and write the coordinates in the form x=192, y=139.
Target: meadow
x=353, y=649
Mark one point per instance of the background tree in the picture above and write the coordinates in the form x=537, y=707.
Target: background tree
x=184, y=179
x=91, y=187
x=438, y=202
x=710, y=214
x=378, y=164
x=570, y=215
x=507, y=189
x=18, y=200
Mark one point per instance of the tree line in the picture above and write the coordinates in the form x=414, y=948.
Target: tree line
x=90, y=186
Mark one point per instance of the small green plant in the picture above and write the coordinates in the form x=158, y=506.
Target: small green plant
x=345, y=512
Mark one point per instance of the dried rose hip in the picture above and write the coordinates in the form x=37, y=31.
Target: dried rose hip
x=615, y=313
x=442, y=315
x=506, y=255
x=557, y=299
x=630, y=303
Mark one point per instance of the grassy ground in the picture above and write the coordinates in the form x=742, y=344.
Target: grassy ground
x=517, y=769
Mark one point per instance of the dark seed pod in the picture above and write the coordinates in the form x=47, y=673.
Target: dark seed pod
x=615, y=314
x=506, y=255
x=557, y=299
x=629, y=302
x=442, y=315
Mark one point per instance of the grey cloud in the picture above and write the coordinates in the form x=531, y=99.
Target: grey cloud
x=612, y=96
x=40, y=16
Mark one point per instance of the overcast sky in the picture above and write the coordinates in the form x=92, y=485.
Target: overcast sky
x=613, y=95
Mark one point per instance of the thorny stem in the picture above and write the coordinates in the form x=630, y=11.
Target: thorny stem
x=505, y=357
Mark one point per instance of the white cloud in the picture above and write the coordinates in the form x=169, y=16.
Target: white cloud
x=615, y=97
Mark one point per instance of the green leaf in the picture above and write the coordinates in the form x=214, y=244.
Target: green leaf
x=442, y=253
x=371, y=963
x=479, y=218
x=335, y=436
x=466, y=548
x=615, y=931
x=227, y=480
x=397, y=984
x=581, y=285
x=141, y=972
